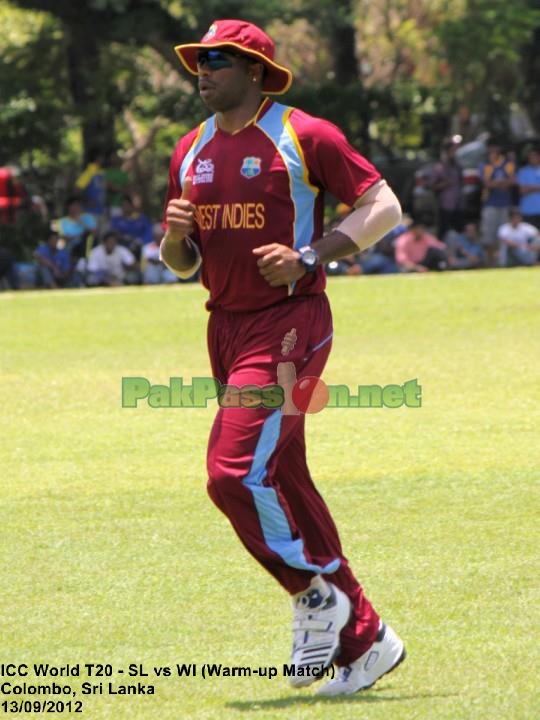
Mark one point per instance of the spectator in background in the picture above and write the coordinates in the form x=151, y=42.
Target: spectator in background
x=13, y=195
x=134, y=227
x=39, y=207
x=116, y=182
x=528, y=179
x=111, y=264
x=520, y=242
x=75, y=227
x=8, y=274
x=464, y=249
x=381, y=258
x=54, y=267
x=465, y=124
x=497, y=176
x=377, y=260
x=446, y=182
x=91, y=185
x=154, y=271
x=419, y=251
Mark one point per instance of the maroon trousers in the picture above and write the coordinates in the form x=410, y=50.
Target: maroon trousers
x=257, y=469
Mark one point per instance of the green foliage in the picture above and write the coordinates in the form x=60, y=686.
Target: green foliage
x=117, y=6
x=489, y=30
x=258, y=11
x=344, y=106
x=33, y=79
x=96, y=72
x=484, y=47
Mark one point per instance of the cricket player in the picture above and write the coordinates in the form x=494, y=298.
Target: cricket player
x=245, y=203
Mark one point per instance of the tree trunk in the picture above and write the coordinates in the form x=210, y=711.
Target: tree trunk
x=90, y=98
x=531, y=73
x=342, y=36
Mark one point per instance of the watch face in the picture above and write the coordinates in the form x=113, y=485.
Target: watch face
x=309, y=259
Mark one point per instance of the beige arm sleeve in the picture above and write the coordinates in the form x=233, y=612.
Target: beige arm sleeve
x=376, y=212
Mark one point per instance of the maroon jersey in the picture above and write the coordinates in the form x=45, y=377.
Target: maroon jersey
x=260, y=185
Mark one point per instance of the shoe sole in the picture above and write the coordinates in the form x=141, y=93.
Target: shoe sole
x=366, y=687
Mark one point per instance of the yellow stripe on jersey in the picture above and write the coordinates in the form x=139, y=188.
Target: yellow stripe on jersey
x=205, y=134
x=287, y=123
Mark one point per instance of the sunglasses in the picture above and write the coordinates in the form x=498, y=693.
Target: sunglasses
x=215, y=59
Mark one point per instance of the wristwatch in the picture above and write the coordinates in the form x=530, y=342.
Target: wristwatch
x=309, y=258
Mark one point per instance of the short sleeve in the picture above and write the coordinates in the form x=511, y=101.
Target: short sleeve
x=174, y=188
x=333, y=163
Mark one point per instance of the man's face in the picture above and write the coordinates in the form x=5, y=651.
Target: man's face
x=534, y=157
x=224, y=79
x=110, y=244
x=515, y=219
x=471, y=231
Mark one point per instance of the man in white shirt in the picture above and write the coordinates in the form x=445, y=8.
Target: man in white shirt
x=109, y=262
x=519, y=242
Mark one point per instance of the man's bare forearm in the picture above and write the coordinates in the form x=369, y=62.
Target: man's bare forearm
x=334, y=246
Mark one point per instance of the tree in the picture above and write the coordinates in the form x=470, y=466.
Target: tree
x=89, y=28
x=32, y=73
x=483, y=48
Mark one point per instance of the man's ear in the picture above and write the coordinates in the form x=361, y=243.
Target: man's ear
x=258, y=72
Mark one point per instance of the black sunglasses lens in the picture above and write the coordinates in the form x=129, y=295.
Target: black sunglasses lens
x=215, y=59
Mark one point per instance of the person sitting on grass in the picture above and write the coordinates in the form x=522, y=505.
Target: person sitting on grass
x=155, y=271
x=111, y=264
x=465, y=250
x=8, y=274
x=381, y=258
x=520, y=242
x=53, y=263
x=419, y=251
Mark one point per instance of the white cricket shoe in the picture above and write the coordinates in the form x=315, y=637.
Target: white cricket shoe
x=320, y=613
x=386, y=653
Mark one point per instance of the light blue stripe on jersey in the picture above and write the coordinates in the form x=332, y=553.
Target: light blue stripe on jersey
x=303, y=197
x=208, y=132
x=274, y=524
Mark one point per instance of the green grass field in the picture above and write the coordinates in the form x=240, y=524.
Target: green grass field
x=111, y=552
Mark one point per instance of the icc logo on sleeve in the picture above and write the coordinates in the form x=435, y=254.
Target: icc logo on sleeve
x=204, y=171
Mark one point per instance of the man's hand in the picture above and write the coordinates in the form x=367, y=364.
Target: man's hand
x=177, y=251
x=278, y=264
x=180, y=214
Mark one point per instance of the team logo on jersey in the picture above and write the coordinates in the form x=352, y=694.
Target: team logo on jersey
x=251, y=166
x=212, y=30
x=204, y=172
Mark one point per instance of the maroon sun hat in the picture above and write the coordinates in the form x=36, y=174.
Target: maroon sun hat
x=247, y=39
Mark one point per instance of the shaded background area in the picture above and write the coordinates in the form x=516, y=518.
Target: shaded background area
x=397, y=75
